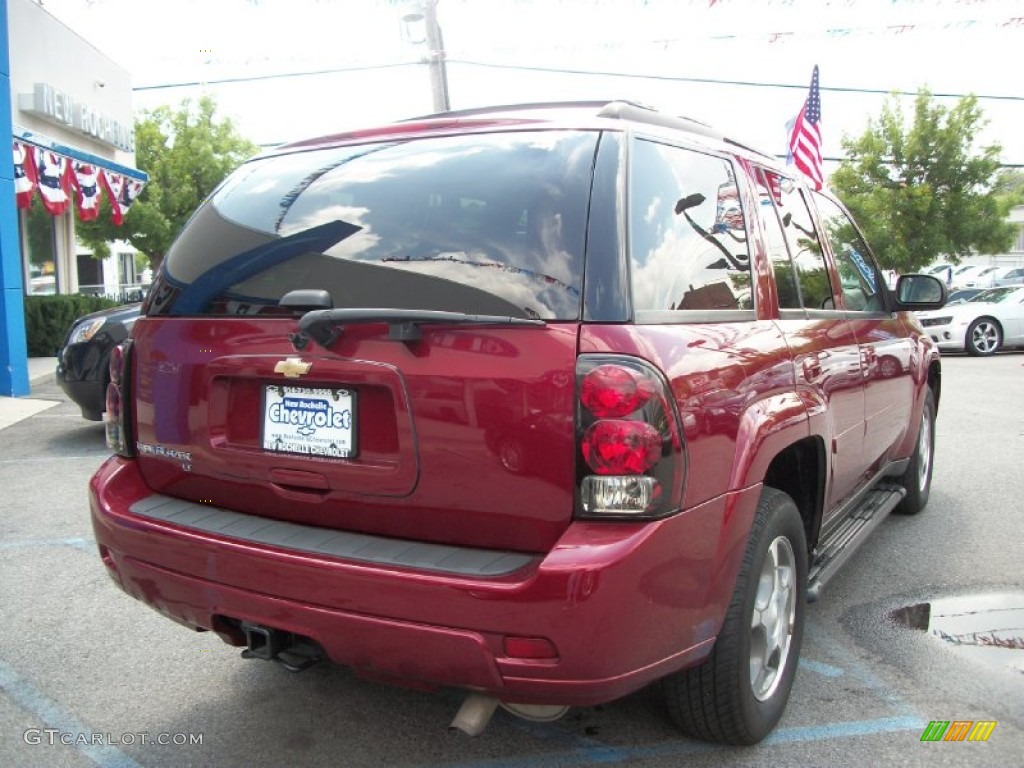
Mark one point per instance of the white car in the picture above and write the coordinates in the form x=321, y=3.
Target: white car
x=943, y=271
x=965, y=275
x=982, y=324
x=986, y=278
x=1014, y=277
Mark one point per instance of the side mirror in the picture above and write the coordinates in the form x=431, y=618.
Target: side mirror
x=915, y=293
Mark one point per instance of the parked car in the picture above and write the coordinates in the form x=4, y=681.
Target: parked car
x=546, y=403
x=960, y=295
x=83, y=361
x=943, y=271
x=985, y=278
x=1013, y=276
x=965, y=275
x=982, y=325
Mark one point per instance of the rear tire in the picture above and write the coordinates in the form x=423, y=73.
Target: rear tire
x=738, y=694
x=917, y=478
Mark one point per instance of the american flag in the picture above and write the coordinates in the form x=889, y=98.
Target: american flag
x=805, y=136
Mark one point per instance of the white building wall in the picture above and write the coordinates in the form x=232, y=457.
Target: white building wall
x=44, y=50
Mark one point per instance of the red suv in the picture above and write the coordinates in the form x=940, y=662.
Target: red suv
x=546, y=403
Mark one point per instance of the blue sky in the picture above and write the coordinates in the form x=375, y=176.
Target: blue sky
x=500, y=51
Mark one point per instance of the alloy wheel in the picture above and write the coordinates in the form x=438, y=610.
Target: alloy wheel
x=771, y=624
x=985, y=337
x=924, y=451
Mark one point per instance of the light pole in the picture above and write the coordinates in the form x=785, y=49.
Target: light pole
x=426, y=12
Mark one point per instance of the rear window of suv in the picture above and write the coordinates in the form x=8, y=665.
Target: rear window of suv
x=489, y=223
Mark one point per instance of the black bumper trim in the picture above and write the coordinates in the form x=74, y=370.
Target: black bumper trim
x=379, y=550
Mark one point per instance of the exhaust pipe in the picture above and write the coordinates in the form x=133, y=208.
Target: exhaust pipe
x=537, y=713
x=474, y=714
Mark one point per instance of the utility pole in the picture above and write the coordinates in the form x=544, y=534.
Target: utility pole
x=436, y=58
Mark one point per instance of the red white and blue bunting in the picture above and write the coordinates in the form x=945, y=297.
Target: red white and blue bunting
x=54, y=180
x=59, y=179
x=86, y=181
x=25, y=177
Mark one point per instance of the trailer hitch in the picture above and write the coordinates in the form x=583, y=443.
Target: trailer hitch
x=294, y=652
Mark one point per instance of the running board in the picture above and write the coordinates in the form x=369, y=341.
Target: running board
x=831, y=553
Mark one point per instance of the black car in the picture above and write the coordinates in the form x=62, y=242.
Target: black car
x=83, y=360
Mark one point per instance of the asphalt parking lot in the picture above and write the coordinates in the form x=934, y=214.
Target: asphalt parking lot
x=91, y=677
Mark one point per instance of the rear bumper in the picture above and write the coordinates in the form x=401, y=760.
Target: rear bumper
x=623, y=604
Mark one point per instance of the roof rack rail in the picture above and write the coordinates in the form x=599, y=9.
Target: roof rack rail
x=621, y=109
x=616, y=109
x=628, y=110
x=581, y=104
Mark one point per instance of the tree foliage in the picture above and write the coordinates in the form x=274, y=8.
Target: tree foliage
x=919, y=189
x=187, y=152
x=1009, y=188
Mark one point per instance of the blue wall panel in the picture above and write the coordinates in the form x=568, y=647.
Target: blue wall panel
x=13, y=349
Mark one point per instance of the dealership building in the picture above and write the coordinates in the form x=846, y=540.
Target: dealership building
x=68, y=111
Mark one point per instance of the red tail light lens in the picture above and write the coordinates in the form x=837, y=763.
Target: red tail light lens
x=116, y=364
x=621, y=447
x=630, y=462
x=610, y=391
x=118, y=417
x=113, y=404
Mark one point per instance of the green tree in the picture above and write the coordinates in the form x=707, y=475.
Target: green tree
x=920, y=190
x=187, y=152
x=40, y=235
x=1009, y=187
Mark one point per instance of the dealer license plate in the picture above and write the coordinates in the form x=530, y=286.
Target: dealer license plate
x=315, y=422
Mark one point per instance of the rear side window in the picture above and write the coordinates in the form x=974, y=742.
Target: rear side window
x=769, y=196
x=687, y=232
x=488, y=223
x=805, y=248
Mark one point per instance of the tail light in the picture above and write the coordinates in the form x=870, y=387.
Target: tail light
x=118, y=419
x=630, y=461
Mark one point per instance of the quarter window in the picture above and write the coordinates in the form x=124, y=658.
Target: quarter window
x=688, y=236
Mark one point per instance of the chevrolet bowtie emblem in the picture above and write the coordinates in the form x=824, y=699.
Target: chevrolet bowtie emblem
x=292, y=367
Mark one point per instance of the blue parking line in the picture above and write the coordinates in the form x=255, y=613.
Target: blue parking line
x=845, y=730
x=826, y=670
x=603, y=754
x=34, y=701
x=569, y=742
x=585, y=756
x=860, y=671
x=579, y=750
x=76, y=542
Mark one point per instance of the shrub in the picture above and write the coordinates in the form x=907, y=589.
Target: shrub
x=49, y=318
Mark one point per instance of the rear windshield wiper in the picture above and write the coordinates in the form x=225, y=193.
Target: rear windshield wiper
x=325, y=326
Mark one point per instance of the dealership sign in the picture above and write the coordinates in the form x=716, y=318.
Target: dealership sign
x=58, y=107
